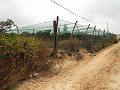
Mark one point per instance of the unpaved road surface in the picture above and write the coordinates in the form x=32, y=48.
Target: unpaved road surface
x=101, y=73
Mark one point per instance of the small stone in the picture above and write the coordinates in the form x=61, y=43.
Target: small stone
x=30, y=75
x=59, y=55
x=42, y=82
x=35, y=85
x=35, y=74
x=81, y=85
x=64, y=81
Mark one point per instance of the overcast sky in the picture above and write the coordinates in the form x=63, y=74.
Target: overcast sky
x=27, y=12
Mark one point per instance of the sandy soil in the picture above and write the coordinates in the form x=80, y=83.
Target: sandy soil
x=101, y=72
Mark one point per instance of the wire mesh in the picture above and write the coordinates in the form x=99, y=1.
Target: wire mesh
x=63, y=27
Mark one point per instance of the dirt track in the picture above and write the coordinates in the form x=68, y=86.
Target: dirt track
x=101, y=73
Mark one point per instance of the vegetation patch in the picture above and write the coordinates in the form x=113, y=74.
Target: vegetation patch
x=20, y=56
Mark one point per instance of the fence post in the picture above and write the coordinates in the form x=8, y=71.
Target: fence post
x=17, y=28
x=87, y=29
x=104, y=33
x=110, y=35
x=33, y=32
x=99, y=32
x=12, y=31
x=73, y=29
x=55, y=25
x=107, y=35
x=94, y=30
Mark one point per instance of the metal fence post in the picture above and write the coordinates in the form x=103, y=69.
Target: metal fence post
x=87, y=29
x=33, y=31
x=104, y=33
x=17, y=29
x=73, y=29
x=94, y=30
x=99, y=32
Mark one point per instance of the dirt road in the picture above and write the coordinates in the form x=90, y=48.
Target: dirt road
x=101, y=73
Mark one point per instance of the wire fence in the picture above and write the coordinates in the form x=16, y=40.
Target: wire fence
x=63, y=27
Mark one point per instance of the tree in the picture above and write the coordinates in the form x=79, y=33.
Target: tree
x=7, y=25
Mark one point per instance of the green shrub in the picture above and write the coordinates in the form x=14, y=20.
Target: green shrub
x=20, y=56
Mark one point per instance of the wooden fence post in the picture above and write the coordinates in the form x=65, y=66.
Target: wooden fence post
x=87, y=29
x=55, y=25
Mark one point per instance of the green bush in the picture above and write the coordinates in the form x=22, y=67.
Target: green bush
x=20, y=56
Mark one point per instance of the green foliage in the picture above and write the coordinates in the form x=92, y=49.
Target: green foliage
x=64, y=36
x=44, y=34
x=25, y=34
x=20, y=56
x=6, y=25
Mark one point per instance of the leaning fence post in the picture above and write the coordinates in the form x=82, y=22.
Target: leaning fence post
x=73, y=29
x=17, y=28
x=87, y=29
x=94, y=30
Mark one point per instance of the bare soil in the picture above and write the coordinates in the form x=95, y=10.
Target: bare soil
x=101, y=72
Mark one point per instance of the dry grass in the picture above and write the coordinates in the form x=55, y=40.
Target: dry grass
x=71, y=45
